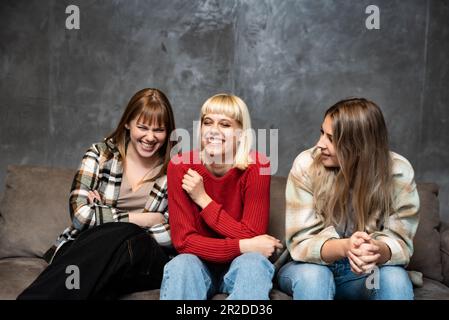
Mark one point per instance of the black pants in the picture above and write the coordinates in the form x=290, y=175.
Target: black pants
x=112, y=259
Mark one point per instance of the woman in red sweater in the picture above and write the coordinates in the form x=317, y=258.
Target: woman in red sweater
x=219, y=200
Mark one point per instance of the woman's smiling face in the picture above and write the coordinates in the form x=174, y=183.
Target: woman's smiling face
x=146, y=139
x=326, y=145
x=219, y=135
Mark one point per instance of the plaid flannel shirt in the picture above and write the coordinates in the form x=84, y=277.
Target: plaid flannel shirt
x=305, y=229
x=101, y=169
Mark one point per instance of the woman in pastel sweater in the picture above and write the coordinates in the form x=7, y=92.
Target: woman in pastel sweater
x=351, y=211
x=219, y=211
x=119, y=238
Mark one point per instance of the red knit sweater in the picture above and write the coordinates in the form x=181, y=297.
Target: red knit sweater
x=239, y=208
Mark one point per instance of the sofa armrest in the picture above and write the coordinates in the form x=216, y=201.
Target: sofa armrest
x=444, y=236
x=1, y=198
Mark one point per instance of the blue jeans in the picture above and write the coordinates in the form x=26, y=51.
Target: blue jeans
x=308, y=281
x=187, y=277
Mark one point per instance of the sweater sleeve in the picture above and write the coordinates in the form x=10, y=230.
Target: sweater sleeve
x=161, y=231
x=256, y=209
x=84, y=214
x=184, y=230
x=305, y=229
x=400, y=228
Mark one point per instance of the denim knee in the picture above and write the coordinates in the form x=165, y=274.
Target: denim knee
x=253, y=261
x=394, y=284
x=185, y=277
x=307, y=281
x=249, y=277
x=183, y=263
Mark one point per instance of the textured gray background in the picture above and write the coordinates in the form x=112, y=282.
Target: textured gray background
x=61, y=90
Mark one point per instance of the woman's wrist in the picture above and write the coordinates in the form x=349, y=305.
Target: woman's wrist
x=345, y=247
x=146, y=219
x=243, y=245
x=384, y=251
x=334, y=249
x=204, y=201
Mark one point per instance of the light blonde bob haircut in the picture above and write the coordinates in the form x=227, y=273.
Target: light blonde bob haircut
x=232, y=107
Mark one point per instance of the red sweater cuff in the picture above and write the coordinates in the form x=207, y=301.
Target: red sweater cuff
x=212, y=210
x=235, y=247
x=212, y=207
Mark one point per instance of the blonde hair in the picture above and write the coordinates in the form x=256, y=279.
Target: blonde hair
x=360, y=138
x=233, y=107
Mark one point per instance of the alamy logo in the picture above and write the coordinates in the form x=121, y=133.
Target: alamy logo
x=73, y=280
x=373, y=280
x=267, y=144
x=373, y=20
x=73, y=20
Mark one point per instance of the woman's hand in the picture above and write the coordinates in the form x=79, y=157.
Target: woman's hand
x=357, y=239
x=92, y=196
x=364, y=263
x=264, y=244
x=146, y=219
x=363, y=253
x=192, y=183
x=142, y=219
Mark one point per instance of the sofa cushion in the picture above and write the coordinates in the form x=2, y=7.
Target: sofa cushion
x=427, y=257
x=34, y=209
x=154, y=295
x=277, y=207
x=142, y=295
x=445, y=252
x=277, y=215
x=18, y=273
x=432, y=290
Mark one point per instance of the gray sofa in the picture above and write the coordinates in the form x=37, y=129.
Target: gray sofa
x=34, y=210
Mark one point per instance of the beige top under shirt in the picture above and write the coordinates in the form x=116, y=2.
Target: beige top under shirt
x=130, y=200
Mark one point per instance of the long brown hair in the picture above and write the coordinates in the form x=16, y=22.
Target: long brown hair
x=147, y=105
x=360, y=138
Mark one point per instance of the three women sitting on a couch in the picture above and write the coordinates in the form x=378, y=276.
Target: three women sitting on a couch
x=351, y=211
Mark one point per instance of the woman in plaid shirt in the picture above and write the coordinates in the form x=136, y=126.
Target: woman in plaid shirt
x=121, y=180
x=351, y=211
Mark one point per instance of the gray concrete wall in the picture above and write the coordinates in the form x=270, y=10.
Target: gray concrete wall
x=61, y=90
